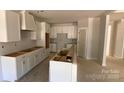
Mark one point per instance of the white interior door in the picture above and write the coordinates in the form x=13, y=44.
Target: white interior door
x=82, y=42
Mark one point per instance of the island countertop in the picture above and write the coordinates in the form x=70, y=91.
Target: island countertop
x=65, y=55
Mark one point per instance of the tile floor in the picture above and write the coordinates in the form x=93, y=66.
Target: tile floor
x=40, y=73
x=88, y=71
x=91, y=71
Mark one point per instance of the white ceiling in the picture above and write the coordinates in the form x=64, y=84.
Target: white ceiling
x=65, y=16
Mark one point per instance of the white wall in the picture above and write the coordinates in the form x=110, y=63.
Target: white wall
x=83, y=23
x=113, y=39
x=119, y=40
x=92, y=38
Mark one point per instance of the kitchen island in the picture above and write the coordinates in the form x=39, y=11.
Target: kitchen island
x=63, y=66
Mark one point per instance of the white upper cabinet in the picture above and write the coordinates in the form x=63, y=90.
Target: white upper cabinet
x=9, y=26
x=27, y=21
x=43, y=29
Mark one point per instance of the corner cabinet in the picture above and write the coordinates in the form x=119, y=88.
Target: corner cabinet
x=27, y=21
x=9, y=26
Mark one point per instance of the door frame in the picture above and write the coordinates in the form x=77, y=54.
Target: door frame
x=105, y=40
x=82, y=28
x=123, y=49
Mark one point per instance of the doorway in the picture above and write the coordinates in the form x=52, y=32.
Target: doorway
x=81, y=45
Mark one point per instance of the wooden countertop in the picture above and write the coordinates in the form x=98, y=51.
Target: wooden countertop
x=64, y=56
x=18, y=53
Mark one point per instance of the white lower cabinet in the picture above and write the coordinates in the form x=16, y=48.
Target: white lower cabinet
x=31, y=60
x=19, y=66
x=13, y=68
x=53, y=47
x=25, y=64
x=36, y=59
x=60, y=71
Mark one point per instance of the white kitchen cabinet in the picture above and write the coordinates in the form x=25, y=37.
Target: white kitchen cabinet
x=40, y=54
x=53, y=47
x=9, y=69
x=55, y=31
x=9, y=26
x=38, y=30
x=43, y=37
x=25, y=64
x=31, y=60
x=69, y=46
x=44, y=53
x=70, y=31
x=13, y=68
x=27, y=21
x=60, y=72
x=45, y=28
x=63, y=71
x=19, y=63
x=36, y=57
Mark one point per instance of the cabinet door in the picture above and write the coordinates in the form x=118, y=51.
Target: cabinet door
x=25, y=65
x=38, y=30
x=19, y=67
x=13, y=26
x=36, y=59
x=60, y=72
x=39, y=56
x=53, y=47
x=31, y=61
x=9, y=26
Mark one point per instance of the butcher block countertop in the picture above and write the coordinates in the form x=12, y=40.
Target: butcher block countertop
x=18, y=53
x=64, y=55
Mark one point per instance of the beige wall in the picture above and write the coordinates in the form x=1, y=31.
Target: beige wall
x=83, y=23
x=112, y=39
